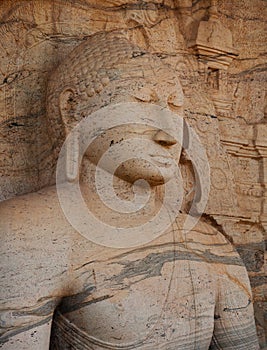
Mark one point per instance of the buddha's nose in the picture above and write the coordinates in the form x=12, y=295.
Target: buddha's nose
x=164, y=139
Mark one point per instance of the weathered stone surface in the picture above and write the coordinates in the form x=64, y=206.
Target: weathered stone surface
x=224, y=101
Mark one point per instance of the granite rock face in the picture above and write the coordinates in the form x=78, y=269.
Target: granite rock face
x=212, y=53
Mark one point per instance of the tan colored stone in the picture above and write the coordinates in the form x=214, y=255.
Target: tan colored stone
x=42, y=252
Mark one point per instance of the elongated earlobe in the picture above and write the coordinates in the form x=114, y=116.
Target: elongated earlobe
x=72, y=157
x=67, y=104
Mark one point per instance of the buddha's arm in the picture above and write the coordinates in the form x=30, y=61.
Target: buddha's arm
x=33, y=272
x=234, y=325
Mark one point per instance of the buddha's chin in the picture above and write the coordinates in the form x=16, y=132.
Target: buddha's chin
x=153, y=179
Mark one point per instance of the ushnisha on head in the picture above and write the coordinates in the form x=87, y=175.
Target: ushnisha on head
x=106, y=68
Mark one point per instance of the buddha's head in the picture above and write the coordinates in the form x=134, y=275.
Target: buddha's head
x=107, y=69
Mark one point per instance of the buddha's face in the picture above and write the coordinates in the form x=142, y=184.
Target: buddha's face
x=156, y=160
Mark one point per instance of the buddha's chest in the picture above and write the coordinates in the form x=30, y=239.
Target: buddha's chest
x=155, y=296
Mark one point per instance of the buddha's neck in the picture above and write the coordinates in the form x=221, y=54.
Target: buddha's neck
x=117, y=193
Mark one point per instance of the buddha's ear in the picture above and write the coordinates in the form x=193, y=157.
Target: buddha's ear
x=67, y=104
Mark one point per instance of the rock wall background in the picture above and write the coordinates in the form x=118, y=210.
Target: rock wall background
x=227, y=108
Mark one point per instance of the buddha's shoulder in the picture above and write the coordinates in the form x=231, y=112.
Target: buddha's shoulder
x=203, y=230
x=32, y=216
x=34, y=248
x=31, y=203
x=209, y=239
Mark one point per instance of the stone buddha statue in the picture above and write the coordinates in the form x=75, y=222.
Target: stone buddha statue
x=60, y=290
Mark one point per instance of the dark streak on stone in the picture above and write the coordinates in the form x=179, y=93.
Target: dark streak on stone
x=43, y=310
x=14, y=76
x=76, y=299
x=66, y=308
x=11, y=125
x=148, y=267
x=237, y=308
x=4, y=339
x=156, y=246
x=152, y=264
x=16, y=121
